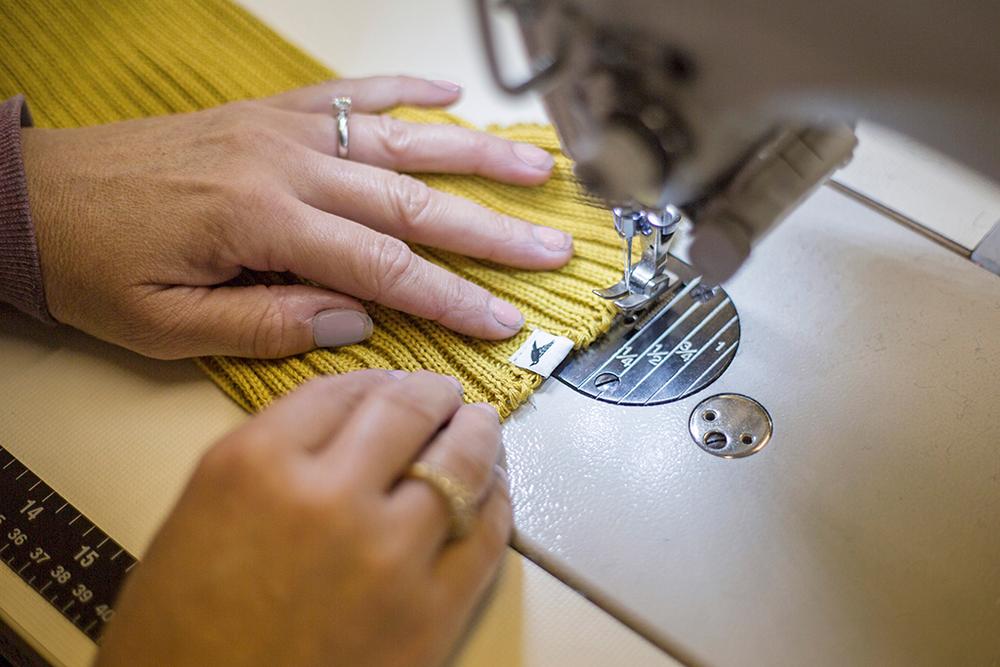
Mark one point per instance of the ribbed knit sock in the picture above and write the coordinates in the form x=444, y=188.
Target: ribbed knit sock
x=82, y=62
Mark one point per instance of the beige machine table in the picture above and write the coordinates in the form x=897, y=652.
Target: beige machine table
x=866, y=532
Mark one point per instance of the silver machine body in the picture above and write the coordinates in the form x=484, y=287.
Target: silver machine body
x=734, y=111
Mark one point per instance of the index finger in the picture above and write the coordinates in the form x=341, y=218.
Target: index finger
x=371, y=266
x=372, y=94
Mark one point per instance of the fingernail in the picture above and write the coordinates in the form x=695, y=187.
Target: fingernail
x=534, y=157
x=486, y=407
x=502, y=476
x=450, y=86
x=458, y=385
x=552, y=239
x=333, y=328
x=506, y=314
x=398, y=375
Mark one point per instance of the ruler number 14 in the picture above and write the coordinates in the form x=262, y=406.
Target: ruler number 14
x=31, y=511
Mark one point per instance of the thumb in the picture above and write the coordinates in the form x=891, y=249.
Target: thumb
x=259, y=321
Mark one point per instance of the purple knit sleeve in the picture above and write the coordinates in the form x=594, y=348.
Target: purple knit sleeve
x=20, y=271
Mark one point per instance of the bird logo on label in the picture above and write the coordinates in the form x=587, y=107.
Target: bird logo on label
x=537, y=352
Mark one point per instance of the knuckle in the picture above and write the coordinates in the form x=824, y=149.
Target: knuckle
x=416, y=403
x=238, y=457
x=412, y=200
x=503, y=232
x=241, y=109
x=466, y=464
x=270, y=333
x=448, y=302
x=455, y=301
x=241, y=126
x=394, y=137
x=393, y=262
x=150, y=329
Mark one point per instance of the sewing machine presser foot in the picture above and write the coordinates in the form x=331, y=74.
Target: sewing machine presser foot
x=643, y=281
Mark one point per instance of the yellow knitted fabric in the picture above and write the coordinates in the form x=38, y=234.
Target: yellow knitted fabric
x=82, y=62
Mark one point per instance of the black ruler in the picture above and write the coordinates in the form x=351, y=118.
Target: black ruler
x=57, y=551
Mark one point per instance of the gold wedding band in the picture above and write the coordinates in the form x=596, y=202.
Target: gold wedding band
x=461, y=501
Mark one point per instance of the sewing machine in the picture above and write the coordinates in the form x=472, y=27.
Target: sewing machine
x=869, y=534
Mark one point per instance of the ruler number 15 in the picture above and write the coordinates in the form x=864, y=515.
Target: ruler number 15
x=86, y=556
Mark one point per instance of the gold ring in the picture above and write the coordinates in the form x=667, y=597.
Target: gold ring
x=461, y=501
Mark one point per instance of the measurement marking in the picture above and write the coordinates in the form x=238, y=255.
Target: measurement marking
x=86, y=630
x=652, y=346
x=54, y=598
x=62, y=508
x=74, y=520
x=11, y=559
x=48, y=496
x=76, y=619
x=714, y=364
x=102, y=542
x=32, y=488
x=683, y=368
x=129, y=568
x=32, y=580
x=4, y=548
x=23, y=567
x=117, y=554
x=68, y=605
x=8, y=463
x=47, y=584
x=686, y=338
x=687, y=288
x=22, y=474
x=87, y=531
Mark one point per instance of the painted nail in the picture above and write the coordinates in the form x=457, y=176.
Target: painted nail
x=333, y=328
x=447, y=85
x=506, y=314
x=552, y=239
x=501, y=474
x=398, y=375
x=534, y=157
x=486, y=407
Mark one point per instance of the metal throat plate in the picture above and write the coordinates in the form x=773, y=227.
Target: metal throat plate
x=678, y=347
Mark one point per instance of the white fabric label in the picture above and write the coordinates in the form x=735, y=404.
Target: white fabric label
x=542, y=352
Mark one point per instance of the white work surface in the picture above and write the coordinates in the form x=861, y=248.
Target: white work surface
x=866, y=531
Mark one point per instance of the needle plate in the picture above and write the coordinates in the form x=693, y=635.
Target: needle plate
x=675, y=349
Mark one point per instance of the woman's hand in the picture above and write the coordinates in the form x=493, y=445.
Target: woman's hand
x=140, y=222
x=299, y=542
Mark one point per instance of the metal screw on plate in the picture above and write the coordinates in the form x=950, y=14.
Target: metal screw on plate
x=730, y=425
x=606, y=380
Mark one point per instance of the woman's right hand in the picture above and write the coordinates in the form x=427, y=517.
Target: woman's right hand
x=299, y=540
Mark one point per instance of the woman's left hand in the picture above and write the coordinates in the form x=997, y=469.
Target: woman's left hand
x=141, y=223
